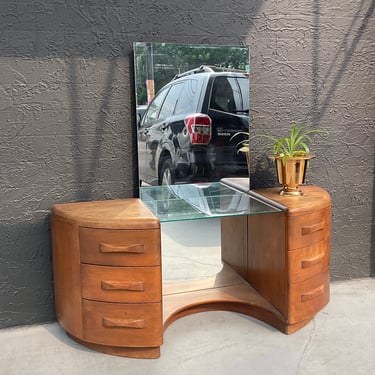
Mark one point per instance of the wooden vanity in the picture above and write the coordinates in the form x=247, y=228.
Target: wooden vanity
x=109, y=293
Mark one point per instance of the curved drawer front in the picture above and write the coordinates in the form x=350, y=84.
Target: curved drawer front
x=309, y=261
x=308, y=229
x=113, y=247
x=121, y=284
x=119, y=324
x=308, y=297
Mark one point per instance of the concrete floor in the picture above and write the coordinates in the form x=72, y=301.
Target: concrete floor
x=340, y=340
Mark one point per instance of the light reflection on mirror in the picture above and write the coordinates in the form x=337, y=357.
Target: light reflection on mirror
x=191, y=249
x=192, y=112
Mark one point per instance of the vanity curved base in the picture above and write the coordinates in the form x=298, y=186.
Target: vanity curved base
x=121, y=351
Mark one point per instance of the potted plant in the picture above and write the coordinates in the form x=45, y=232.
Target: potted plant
x=292, y=156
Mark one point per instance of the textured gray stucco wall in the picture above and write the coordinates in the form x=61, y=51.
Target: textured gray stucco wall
x=66, y=117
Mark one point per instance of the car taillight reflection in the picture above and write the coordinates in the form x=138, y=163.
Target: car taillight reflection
x=199, y=128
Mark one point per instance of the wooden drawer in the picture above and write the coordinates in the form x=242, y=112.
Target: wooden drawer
x=308, y=297
x=121, y=284
x=307, y=262
x=118, y=324
x=112, y=247
x=305, y=230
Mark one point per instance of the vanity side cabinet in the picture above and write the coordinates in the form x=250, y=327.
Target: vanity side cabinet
x=107, y=276
x=307, y=253
x=267, y=258
x=66, y=274
x=234, y=240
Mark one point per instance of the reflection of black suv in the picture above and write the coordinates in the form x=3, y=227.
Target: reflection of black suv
x=185, y=134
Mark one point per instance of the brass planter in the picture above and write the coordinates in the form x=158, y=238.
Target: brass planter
x=291, y=173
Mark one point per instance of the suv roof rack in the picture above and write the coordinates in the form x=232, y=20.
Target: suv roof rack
x=207, y=69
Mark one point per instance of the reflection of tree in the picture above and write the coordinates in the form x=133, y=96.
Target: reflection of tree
x=172, y=59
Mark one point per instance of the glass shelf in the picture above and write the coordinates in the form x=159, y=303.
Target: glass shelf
x=201, y=201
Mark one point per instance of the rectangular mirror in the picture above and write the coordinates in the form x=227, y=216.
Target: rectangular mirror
x=192, y=112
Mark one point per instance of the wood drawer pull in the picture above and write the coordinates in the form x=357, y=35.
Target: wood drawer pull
x=306, y=263
x=313, y=294
x=313, y=228
x=130, y=249
x=124, y=323
x=136, y=286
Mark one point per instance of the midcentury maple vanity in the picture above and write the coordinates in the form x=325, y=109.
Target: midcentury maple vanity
x=109, y=293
